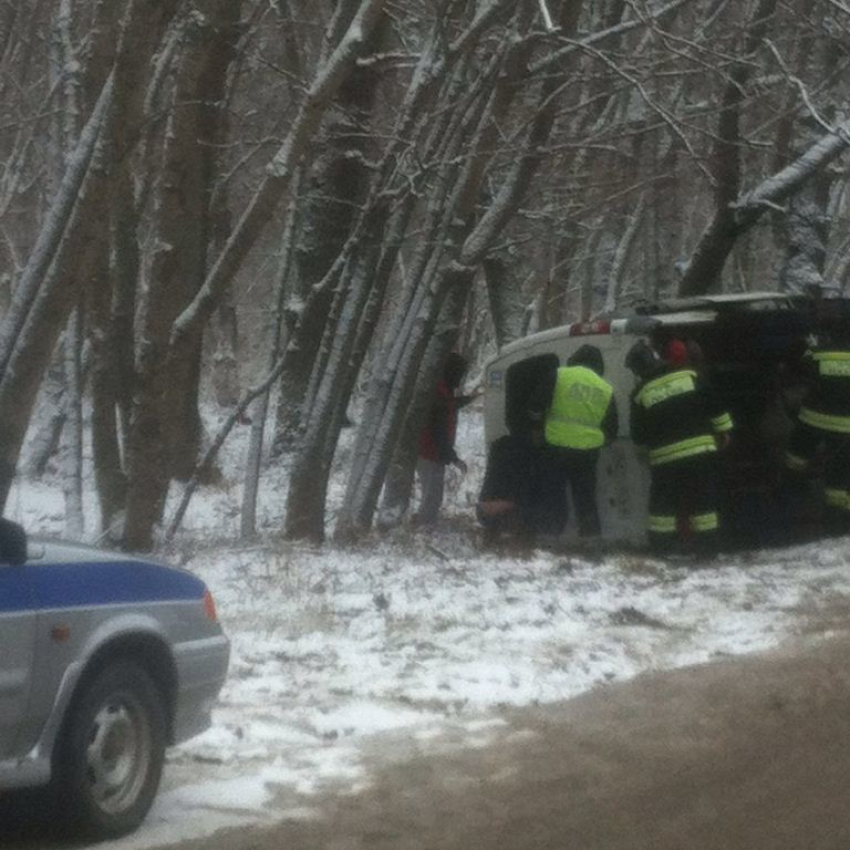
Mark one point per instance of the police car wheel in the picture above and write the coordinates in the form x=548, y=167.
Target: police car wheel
x=112, y=751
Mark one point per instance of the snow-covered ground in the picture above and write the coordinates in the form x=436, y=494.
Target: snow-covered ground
x=425, y=635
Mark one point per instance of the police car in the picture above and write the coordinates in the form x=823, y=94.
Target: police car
x=105, y=660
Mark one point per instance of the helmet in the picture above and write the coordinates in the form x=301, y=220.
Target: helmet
x=676, y=352
x=642, y=360
x=590, y=357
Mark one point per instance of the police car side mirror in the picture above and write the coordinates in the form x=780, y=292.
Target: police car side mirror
x=13, y=543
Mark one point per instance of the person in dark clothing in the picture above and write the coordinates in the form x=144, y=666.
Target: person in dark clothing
x=581, y=418
x=821, y=436
x=437, y=440
x=675, y=416
x=521, y=495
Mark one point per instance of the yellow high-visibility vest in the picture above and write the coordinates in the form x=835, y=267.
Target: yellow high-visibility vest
x=579, y=405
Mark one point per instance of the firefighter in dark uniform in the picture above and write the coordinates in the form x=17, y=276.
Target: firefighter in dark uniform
x=674, y=416
x=581, y=418
x=821, y=436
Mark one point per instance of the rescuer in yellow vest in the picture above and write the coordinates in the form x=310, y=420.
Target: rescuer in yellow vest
x=582, y=417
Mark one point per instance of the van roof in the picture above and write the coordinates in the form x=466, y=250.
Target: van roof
x=771, y=300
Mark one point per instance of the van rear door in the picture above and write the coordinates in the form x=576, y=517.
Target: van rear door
x=527, y=384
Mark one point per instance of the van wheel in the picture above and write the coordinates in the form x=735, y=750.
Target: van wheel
x=111, y=751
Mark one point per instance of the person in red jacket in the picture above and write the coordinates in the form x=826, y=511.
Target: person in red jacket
x=437, y=441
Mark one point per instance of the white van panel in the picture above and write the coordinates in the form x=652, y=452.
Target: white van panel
x=623, y=472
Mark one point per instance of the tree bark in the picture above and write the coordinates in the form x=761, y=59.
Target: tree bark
x=68, y=241
x=277, y=179
x=73, y=450
x=394, y=392
x=719, y=238
x=41, y=305
x=336, y=190
x=166, y=430
x=507, y=306
x=248, y=520
x=305, y=504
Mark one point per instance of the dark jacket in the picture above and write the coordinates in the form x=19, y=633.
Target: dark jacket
x=827, y=405
x=521, y=472
x=675, y=416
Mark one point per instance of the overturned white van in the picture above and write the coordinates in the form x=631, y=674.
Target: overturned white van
x=752, y=346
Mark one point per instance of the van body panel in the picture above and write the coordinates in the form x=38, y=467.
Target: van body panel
x=622, y=476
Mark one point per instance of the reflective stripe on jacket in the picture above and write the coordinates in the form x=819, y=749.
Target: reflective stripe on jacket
x=828, y=405
x=579, y=404
x=675, y=418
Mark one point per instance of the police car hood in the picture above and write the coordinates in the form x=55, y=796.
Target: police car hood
x=50, y=550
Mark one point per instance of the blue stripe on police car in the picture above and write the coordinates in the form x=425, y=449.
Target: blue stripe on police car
x=39, y=587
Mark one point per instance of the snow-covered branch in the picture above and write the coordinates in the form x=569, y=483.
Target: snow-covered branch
x=784, y=183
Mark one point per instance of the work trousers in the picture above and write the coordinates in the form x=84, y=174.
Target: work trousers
x=576, y=469
x=432, y=476
x=683, y=502
x=832, y=451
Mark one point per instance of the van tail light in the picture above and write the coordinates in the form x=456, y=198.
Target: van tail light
x=209, y=606
x=590, y=328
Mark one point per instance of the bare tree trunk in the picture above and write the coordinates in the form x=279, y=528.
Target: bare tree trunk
x=147, y=496
x=507, y=307
x=216, y=51
x=278, y=177
x=719, y=238
x=336, y=189
x=248, y=522
x=808, y=231
x=120, y=330
x=110, y=326
x=393, y=396
x=67, y=242
x=45, y=442
x=73, y=449
x=166, y=430
x=305, y=505
x=622, y=255
x=225, y=358
x=65, y=130
x=41, y=305
x=807, y=225
x=106, y=394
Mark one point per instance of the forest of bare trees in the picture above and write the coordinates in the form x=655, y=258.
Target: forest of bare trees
x=289, y=208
